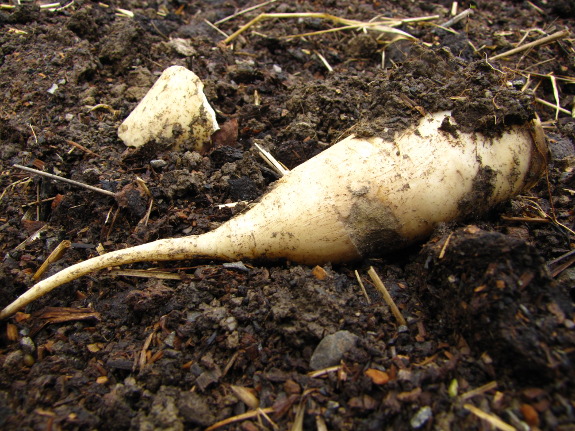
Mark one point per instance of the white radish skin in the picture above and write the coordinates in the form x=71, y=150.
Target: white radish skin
x=356, y=197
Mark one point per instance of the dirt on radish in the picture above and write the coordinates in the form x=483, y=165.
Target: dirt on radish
x=488, y=306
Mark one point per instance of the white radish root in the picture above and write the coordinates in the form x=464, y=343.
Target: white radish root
x=357, y=197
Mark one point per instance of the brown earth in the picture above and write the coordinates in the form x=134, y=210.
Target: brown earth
x=488, y=301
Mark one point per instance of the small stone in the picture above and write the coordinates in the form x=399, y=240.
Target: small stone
x=238, y=266
x=404, y=375
x=158, y=163
x=27, y=344
x=331, y=349
x=170, y=339
x=230, y=323
x=421, y=417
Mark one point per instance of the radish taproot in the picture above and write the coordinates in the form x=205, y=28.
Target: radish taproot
x=360, y=196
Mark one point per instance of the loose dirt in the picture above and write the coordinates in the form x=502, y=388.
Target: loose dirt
x=488, y=302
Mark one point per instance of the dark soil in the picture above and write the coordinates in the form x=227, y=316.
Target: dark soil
x=488, y=301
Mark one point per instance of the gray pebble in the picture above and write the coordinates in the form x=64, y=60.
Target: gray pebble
x=331, y=349
x=158, y=163
x=27, y=345
x=421, y=417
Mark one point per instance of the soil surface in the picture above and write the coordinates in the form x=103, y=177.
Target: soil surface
x=489, y=329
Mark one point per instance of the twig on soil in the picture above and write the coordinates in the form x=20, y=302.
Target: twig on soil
x=231, y=204
x=146, y=217
x=457, y=18
x=526, y=219
x=272, y=162
x=53, y=257
x=230, y=363
x=143, y=273
x=31, y=238
x=566, y=79
x=50, y=6
x=66, y=314
x=556, y=267
x=141, y=363
x=537, y=8
x=114, y=112
x=491, y=418
x=33, y=132
x=444, y=248
x=361, y=285
x=555, y=95
x=454, y=6
x=246, y=396
x=124, y=13
x=324, y=61
x=66, y=180
x=223, y=33
x=552, y=218
x=81, y=147
x=324, y=371
x=478, y=391
x=548, y=39
x=553, y=78
x=41, y=201
x=66, y=6
x=300, y=413
x=386, y=296
x=244, y=11
x=320, y=423
x=267, y=418
x=11, y=186
x=551, y=105
x=38, y=198
x=383, y=25
x=238, y=418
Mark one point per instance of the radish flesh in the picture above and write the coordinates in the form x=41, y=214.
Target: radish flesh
x=360, y=196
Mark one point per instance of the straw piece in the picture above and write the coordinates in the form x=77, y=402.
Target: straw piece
x=492, y=419
x=53, y=257
x=244, y=416
x=386, y=296
x=361, y=285
x=548, y=39
x=457, y=18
